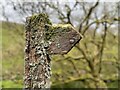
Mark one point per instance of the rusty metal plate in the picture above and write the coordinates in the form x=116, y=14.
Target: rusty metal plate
x=63, y=40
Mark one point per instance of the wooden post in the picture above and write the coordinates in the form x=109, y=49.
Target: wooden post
x=42, y=40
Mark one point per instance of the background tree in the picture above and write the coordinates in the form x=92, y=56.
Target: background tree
x=91, y=59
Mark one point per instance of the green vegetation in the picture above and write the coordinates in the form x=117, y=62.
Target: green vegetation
x=66, y=73
x=12, y=54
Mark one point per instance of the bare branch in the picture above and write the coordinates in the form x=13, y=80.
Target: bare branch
x=88, y=15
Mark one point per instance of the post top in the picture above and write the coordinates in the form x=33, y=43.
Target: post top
x=37, y=20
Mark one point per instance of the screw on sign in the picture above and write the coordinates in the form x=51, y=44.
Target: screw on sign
x=42, y=40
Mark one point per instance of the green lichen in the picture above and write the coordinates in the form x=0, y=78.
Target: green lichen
x=33, y=22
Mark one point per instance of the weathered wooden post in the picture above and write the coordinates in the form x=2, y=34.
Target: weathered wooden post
x=42, y=40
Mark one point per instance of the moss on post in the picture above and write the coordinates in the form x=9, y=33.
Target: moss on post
x=37, y=61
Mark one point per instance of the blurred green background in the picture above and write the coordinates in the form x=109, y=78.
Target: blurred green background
x=92, y=63
x=65, y=73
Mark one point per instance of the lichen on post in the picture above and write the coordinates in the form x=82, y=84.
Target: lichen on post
x=42, y=40
x=37, y=61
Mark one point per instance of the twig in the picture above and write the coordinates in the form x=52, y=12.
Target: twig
x=88, y=15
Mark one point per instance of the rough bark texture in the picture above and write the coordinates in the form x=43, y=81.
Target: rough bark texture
x=37, y=61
